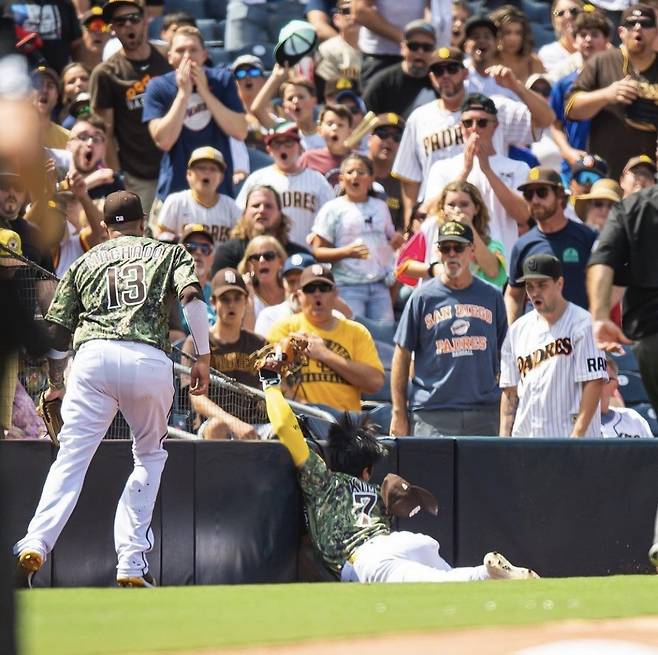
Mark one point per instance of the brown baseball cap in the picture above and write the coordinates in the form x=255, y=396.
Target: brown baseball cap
x=228, y=279
x=404, y=499
x=316, y=273
x=122, y=207
x=207, y=153
x=287, y=130
x=332, y=87
x=419, y=25
x=539, y=175
x=448, y=54
x=389, y=119
x=110, y=6
x=638, y=11
x=196, y=229
x=644, y=160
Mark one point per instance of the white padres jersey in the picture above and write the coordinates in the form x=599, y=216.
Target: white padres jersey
x=548, y=364
x=302, y=196
x=180, y=209
x=625, y=423
x=433, y=133
x=512, y=172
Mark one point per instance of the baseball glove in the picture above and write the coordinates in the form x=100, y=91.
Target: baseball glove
x=285, y=357
x=51, y=413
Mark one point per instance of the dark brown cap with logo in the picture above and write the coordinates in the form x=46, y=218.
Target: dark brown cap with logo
x=122, y=207
x=448, y=54
x=538, y=175
x=404, y=499
x=454, y=231
x=228, y=279
x=316, y=273
x=541, y=267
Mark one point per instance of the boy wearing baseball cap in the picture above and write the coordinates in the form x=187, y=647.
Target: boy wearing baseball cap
x=201, y=202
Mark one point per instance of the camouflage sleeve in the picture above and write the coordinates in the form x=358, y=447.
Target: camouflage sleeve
x=313, y=475
x=183, y=269
x=66, y=307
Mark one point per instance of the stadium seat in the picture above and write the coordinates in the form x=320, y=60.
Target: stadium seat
x=648, y=413
x=215, y=9
x=381, y=415
x=263, y=50
x=537, y=11
x=219, y=55
x=384, y=394
x=542, y=34
x=632, y=389
x=209, y=28
x=155, y=26
x=627, y=361
x=385, y=352
x=380, y=330
x=196, y=8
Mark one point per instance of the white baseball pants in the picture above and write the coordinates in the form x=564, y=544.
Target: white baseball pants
x=406, y=557
x=106, y=376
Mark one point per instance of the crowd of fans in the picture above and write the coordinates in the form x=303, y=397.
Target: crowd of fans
x=390, y=196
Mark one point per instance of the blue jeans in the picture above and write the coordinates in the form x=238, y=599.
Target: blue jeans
x=248, y=25
x=370, y=300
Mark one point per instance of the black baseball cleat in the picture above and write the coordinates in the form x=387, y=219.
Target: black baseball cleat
x=28, y=563
x=146, y=581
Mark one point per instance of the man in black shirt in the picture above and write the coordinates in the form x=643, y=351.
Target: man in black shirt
x=403, y=87
x=625, y=256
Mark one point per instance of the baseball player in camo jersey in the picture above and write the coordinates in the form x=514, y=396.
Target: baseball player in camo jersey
x=350, y=517
x=552, y=373
x=302, y=190
x=115, y=299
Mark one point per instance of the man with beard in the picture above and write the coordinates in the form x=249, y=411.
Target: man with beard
x=555, y=235
x=403, y=87
x=383, y=145
x=191, y=107
x=117, y=93
x=45, y=98
x=434, y=131
x=617, y=89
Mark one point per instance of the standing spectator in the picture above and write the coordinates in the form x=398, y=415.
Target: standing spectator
x=587, y=170
x=56, y=22
x=303, y=191
x=356, y=234
x=515, y=43
x=382, y=30
x=383, y=145
x=553, y=234
x=620, y=422
x=563, y=14
x=262, y=215
x=454, y=326
x=343, y=360
x=249, y=74
x=551, y=372
x=45, y=98
x=339, y=55
x=460, y=14
x=615, y=89
x=495, y=175
x=190, y=107
x=249, y=23
x=319, y=13
x=592, y=34
x=624, y=255
x=95, y=35
x=74, y=81
x=639, y=173
x=403, y=86
x=201, y=202
x=594, y=207
x=118, y=88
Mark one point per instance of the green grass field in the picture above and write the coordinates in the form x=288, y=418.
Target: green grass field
x=118, y=621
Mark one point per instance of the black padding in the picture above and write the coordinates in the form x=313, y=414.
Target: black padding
x=84, y=555
x=7, y=568
x=177, y=514
x=563, y=507
x=23, y=467
x=248, y=513
x=429, y=462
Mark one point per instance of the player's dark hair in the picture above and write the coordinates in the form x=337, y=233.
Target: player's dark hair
x=178, y=18
x=592, y=20
x=366, y=161
x=242, y=229
x=340, y=110
x=94, y=120
x=353, y=445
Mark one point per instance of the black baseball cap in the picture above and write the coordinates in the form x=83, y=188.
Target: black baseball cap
x=639, y=11
x=404, y=499
x=541, y=267
x=316, y=273
x=111, y=5
x=454, y=231
x=479, y=20
x=228, y=279
x=196, y=229
x=592, y=163
x=480, y=102
x=122, y=207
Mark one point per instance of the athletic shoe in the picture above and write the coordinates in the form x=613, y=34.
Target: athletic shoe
x=29, y=562
x=143, y=581
x=500, y=569
x=653, y=555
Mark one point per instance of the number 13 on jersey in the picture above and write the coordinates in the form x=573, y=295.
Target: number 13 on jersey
x=125, y=285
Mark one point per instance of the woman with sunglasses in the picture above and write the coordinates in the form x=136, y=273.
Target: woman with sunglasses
x=261, y=267
x=356, y=234
x=563, y=14
x=594, y=206
x=460, y=202
x=515, y=43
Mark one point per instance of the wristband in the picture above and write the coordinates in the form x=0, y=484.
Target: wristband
x=430, y=269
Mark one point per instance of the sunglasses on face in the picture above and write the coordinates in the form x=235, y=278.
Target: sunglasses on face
x=344, y=11
x=480, y=122
x=447, y=248
x=283, y=143
x=128, y=19
x=383, y=133
x=574, y=11
x=242, y=73
x=644, y=23
x=541, y=192
x=86, y=137
x=5, y=185
x=98, y=25
x=203, y=248
x=586, y=177
x=322, y=287
x=268, y=256
x=599, y=204
x=441, y=69
x=415, y=46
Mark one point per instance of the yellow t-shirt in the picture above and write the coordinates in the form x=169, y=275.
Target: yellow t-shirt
x=319, y=383
x=56, y=136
